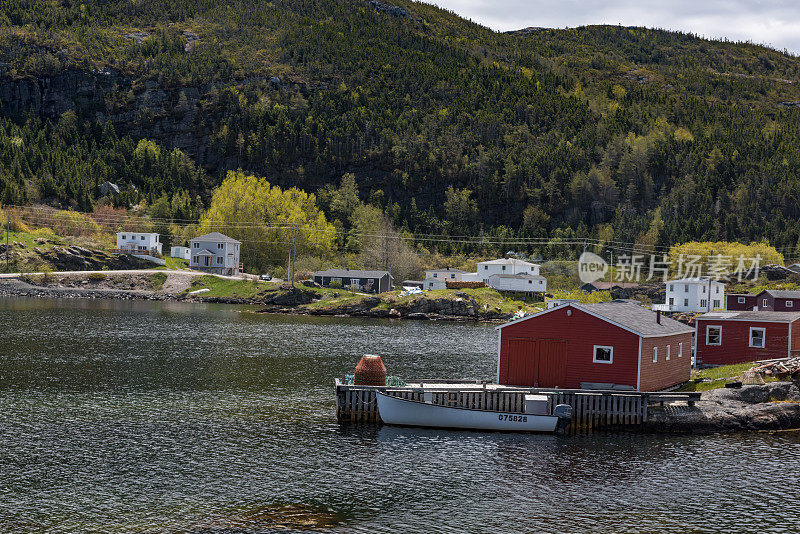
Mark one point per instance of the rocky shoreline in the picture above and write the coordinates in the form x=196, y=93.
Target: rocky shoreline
x=289, y=301
x=770, y=407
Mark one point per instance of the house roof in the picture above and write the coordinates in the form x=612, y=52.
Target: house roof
x=519, y=276
x=782, y=293
x=217, y=237
x=445, y=270
x=508, y=261
x=701, y=280
x=351, y=273
x=607, y=285
x=137, y=233
x=755, y=316
x=626, y=315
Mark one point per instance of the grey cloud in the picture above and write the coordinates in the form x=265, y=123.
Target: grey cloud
x=774, y=23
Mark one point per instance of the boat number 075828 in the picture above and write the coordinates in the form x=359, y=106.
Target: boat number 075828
x=513, y=418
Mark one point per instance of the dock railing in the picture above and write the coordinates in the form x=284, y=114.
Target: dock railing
x=591, y=409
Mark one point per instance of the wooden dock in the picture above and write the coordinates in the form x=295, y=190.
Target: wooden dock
x=591, y=409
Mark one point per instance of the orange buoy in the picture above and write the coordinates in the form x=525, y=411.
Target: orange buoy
x=370, y=371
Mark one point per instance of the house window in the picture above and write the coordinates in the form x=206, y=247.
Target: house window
x=504, y=267
x=655, y=354
x=219, y=260
x=757, y=337
x=704, y=289
x=741, y=300
x=123, y=237
x=141, y=237
x=703, y=303
x=603, y=354
x=195, y=245
x=354, y=282
x=716, y=304
x=672, y=287
x=485, y=267
x=717, y=290
x=713, y=335
x=764, y=303
x=435, y=275
x=530, y=281
x=669, y=349
x=540, y=282
x=680, y=349
x=790, y=304
x=686, y=288
x=452, y=276
x=685, y=302
x=220, y=245
x=671, y=301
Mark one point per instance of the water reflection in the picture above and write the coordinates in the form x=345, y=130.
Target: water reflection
x=174, y=417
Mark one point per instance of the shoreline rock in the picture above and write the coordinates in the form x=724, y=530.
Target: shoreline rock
x=772, y=406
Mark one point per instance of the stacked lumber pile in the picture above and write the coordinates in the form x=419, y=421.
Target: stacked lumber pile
x=781, y=369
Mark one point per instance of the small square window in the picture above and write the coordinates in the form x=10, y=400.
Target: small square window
x=123, y=237
x=141, y=237
x=790, y=304
x=603, y=354
x=741, y=300
x=757, y=336
x=713, y=335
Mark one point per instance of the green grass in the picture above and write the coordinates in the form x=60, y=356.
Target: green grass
x=223, y=287
x=157, y=281
x=176, y=263
x=718, y=376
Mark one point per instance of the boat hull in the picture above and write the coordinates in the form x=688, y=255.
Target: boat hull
x=394, y=411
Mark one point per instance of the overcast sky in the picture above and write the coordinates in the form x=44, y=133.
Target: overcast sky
x=772, y=22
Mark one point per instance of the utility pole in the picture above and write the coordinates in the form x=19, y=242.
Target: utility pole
x=611, y=283
x=293, y=254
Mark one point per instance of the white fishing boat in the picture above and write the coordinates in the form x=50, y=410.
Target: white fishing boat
x=397, y=411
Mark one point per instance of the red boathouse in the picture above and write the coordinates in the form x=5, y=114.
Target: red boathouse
x=609, y=344
x=735, y=337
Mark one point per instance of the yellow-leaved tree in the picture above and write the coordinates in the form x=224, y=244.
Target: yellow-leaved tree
x=263, y=218
x=726, y=254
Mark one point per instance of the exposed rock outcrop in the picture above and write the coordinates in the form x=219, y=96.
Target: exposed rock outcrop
x=772, y=406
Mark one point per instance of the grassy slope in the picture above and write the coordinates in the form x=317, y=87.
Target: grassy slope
x=718, y=376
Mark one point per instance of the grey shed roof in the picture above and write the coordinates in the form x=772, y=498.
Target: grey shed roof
x=783, y=293
x=635, y=317
x=351, y=273
x=445, y=270
x=766, y=316
x=215, y=236
x=627, y=315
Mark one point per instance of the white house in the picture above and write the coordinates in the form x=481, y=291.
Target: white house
x=693, y=295
x=522, y=283
x=215, y=253
x=138, y=243
x=505, y=266
x=453, y=275
x=434, y=283
x=180, y=252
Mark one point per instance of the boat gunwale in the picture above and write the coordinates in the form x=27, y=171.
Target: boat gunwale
x=461, y=408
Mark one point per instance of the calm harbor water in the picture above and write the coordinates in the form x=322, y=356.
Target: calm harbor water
x=172, y=417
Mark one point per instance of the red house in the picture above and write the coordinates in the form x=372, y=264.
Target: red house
x=595, y=345
x=735, y=337
x=768, y=300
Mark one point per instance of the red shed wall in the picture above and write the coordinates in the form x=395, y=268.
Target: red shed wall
x=735, y=347
x=781, y=305
x=581, y=332
x=665, y=373
x=732, y=303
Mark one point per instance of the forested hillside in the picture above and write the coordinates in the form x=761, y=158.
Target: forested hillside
x=607, y=132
